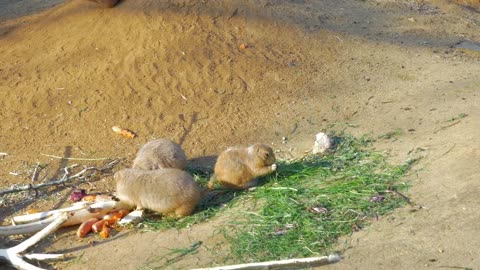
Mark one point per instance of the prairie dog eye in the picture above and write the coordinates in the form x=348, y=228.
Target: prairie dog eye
x=267, y=154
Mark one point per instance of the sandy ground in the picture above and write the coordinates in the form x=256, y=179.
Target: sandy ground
x=175, y=69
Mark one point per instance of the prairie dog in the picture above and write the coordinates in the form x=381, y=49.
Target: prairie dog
x=106, y=3
x=237, y=167
x=171, y=192
x=160, y=153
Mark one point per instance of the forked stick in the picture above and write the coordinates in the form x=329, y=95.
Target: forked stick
x=14, y=256
x=64, y=179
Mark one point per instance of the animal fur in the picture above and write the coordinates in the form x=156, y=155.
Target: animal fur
x=171, y=192
x=237, y=167
x=160, y=153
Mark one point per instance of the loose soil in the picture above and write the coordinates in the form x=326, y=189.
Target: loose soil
x=176, y=69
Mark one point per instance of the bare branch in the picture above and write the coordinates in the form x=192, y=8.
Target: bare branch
x=27, y=228
x=59, y=220
x=14, y=256
x=284, y=264
x=63, y=180
x=45, y=257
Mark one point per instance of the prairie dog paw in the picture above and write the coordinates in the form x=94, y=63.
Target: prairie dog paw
x=274, y=167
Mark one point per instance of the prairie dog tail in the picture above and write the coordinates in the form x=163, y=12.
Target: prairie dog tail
x=211, y=183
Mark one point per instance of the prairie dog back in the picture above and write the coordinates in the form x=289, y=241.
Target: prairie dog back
x=237, y=167
x=160, y=153
x=171, y=192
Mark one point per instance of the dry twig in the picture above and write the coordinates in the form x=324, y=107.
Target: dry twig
x=64, y=179
x=35, y=172
x=69, y=158
x=284, y=264
x=447, y=126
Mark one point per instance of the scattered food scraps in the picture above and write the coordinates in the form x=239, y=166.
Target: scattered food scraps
x=103, y=226
x=77, y=195
x=89, y=198
x=124, y=132
x=105, y=233
x=32, y=211
x=98, y=226
x=86, y=227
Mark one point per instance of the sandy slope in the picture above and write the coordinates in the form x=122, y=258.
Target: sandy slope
x=175, y=69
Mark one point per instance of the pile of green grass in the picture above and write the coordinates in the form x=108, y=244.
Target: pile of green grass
x=302, y=209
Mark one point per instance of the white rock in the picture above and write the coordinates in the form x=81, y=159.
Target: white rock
x=322, y=143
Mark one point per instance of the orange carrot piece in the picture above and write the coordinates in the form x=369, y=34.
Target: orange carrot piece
x=86, y=227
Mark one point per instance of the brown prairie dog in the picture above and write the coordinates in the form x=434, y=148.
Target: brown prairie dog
x=237, y=167
x=171, y=192
x=106, y=3
x=160, y=153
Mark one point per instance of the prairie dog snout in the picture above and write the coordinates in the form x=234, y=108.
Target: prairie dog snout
x=171, y=192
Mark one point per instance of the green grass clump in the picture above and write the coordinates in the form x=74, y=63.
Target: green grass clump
x=307, y=204
x=310, y=203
